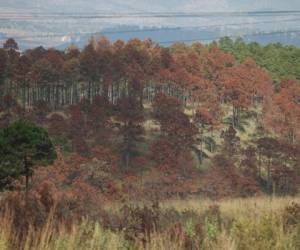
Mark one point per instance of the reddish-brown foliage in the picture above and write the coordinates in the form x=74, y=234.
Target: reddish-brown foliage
x=282, y=111
x=57, y=124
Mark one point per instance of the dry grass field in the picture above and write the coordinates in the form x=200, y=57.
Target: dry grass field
x=261, y=223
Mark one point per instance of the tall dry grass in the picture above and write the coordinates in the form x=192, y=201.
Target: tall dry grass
x=84, y=236
x=236, y=207
x=248, y=224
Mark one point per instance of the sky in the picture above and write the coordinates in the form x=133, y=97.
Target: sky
x=149, y=5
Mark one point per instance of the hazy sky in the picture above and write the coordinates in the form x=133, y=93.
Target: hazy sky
x=48, y=30
x=151, y=5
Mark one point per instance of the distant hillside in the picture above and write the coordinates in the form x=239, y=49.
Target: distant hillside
x=167, y=36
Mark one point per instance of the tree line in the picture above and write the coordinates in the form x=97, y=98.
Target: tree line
x=195, y=92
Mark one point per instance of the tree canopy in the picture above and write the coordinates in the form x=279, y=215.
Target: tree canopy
x=23, y=145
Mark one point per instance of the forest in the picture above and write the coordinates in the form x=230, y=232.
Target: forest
x=101, y=148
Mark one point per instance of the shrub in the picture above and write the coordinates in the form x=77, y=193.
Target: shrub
x=210, y=230
x=138, y=223
x=291, y=216
x=213, y=215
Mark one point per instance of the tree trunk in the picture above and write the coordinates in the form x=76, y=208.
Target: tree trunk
x=269, y=175
x=27, y=174
x=127, y=159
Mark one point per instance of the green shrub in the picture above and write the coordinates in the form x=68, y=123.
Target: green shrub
x=189, y=228
x=211, y=230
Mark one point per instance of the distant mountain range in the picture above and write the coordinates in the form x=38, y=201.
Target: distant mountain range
x=167, y=36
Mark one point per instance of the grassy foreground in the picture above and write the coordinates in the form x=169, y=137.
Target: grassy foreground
x=257, y=223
